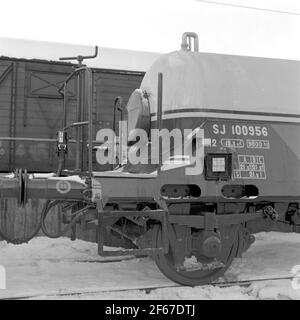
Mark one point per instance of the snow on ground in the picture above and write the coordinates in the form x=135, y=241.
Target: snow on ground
x=45, y=266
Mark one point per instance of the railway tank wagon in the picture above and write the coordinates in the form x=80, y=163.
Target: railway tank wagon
x=235, y=170
x=249, y=110
x=248, y=107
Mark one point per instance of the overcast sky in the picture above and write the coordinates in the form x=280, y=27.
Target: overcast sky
x=157, y=25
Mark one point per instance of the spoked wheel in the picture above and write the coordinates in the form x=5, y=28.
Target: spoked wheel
x=196, y=258
x=19, y=224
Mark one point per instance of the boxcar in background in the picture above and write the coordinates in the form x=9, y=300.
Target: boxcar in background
x=31, y=106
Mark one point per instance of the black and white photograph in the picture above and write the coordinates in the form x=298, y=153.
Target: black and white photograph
x=150, y=150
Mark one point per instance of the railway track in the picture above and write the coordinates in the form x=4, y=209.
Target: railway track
x=146, y=290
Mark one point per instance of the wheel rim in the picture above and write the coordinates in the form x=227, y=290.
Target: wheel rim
x=165, y=262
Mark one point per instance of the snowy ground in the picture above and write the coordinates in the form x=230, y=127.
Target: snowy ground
x=44, y=267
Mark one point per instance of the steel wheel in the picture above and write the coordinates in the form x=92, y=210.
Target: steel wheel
x=166, y=262
x=19, y=224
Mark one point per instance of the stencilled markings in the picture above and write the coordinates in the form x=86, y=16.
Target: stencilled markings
x=233, y=143
x=238, y=129
x=250, y=159
x=250, y=167
x=238, y=174
x=258, y=144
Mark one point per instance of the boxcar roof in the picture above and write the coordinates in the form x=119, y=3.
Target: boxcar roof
x=108, y=58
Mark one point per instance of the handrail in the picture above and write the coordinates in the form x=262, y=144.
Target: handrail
x=76, y=124
x=69, y=77
x=85, y=83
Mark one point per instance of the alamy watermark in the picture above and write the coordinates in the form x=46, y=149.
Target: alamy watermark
x=2, y=278
x=178, y=147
